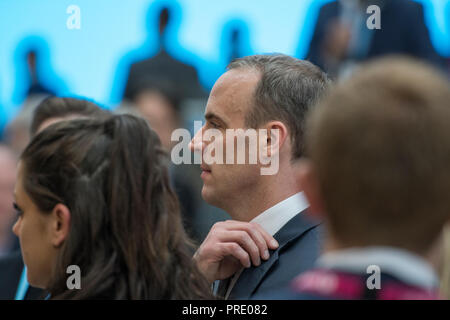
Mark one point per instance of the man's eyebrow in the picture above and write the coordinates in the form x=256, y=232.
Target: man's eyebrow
x=211, y=116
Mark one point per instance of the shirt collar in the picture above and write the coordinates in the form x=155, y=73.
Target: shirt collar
x=402, y=264
x=274, y=218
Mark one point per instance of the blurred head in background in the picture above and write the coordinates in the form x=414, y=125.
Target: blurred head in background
x=160, y=109
x=159, y=105
x=40, y=111
x=55, y=109
x=163, y=20
x=379, y=154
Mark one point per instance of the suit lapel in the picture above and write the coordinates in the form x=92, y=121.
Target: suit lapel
x=251, y=277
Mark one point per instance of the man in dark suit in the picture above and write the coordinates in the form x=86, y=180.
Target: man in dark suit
x=258, y=94
x=378, y=149
x=341, y=36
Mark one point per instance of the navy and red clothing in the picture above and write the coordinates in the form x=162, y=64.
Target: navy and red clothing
x=337, y=285
x=378, y=273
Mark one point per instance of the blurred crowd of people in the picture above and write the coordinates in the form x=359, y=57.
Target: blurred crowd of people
x=364, y=151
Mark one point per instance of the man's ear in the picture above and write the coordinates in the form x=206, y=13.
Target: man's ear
x=277, y=134
x=309, y=183
x=60, y=224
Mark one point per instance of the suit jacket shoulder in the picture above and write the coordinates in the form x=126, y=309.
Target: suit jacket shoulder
x=299, y=241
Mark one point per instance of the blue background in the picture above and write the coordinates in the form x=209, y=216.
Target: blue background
x=93, y=60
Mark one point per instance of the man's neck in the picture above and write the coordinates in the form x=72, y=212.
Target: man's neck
x=271, y=190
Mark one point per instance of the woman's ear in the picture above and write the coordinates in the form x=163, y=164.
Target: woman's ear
x=309, y=183
x=60, y=224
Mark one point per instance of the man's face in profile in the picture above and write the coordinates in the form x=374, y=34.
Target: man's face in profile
x=230, y=100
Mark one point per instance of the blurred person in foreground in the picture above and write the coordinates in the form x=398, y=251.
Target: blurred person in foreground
x=49, y=111
x=378, y=172
x=271, y=238
x=95, y=194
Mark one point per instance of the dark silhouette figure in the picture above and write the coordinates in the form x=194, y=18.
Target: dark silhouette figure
x=35, y=80
x=35, y=86
x=163, y=68
x=236, y=37
x=234, y=43
x=34, y=73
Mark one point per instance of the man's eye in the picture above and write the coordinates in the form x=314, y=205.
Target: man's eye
x=214, y=125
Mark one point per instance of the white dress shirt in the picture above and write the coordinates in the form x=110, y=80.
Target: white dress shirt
x=273, y=219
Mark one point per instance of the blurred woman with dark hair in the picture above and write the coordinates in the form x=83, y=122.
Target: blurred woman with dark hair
x=96, y=194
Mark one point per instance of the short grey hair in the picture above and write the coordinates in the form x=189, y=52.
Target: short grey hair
x=288, y=88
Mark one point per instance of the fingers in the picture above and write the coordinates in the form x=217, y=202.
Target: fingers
x=271, y=242
x=245, y=241
x=238, y=252
x=250, y=228
x=249, y=235
x=230, y=245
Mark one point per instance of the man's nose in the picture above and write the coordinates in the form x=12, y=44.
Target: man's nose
x=197, y=144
